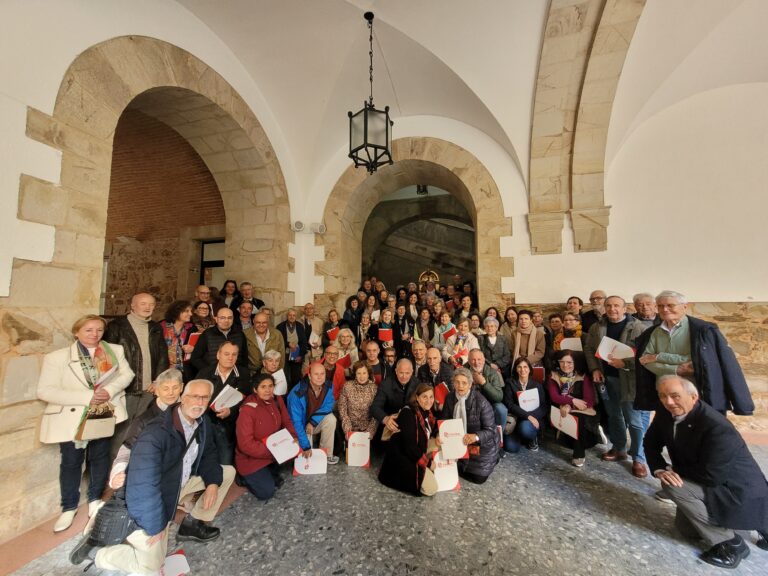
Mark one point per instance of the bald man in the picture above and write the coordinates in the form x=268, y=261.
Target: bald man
x=145, y=350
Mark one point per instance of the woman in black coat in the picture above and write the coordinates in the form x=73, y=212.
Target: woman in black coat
x=408, y=463
x=481, y=436
x=528, y=422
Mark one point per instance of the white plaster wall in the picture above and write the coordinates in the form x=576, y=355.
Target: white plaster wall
x=39, y=39
x=689, y=193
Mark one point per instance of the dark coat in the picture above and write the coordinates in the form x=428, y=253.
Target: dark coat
x=155, y=468
x=444, y=374
x=391, y=396
x=512, y=388
x=480, y=421
x=204, y=354
x=406, y=458
x=717, y=374
x=708, y=450
x=119, y=331
x=140, y=422
x=300, y=333
x=498, y=353
x=258, y=304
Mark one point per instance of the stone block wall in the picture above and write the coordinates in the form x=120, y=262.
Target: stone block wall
x=151, y=266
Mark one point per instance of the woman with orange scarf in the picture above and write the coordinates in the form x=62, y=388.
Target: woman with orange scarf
x=88, y=376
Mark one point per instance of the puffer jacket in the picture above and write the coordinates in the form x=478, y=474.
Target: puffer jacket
x=480, y=421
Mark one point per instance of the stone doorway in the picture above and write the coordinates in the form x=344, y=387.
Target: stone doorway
x=436, y=163
x=173, y=87
x=408, y=233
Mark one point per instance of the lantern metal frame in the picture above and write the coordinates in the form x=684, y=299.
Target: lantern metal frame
x=370, y=129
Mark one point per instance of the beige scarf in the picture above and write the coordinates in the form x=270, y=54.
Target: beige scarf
x=531, y=342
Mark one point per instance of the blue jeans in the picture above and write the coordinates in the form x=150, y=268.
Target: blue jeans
x=262, y=482
x=71, y=471
x=500, y=413
x=637, y=421
x=524, y=432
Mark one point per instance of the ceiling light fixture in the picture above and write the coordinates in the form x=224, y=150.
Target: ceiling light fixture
x=370, y=134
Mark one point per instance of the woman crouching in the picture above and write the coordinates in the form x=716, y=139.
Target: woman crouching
x=408, y=464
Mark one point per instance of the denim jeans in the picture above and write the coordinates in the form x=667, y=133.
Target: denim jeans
x=500, y=413
x=262, y=482
x=524, y=432
x=71, y=471
x=637, y=420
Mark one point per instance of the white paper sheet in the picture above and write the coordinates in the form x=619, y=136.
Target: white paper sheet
x=315, y=464
x=175, y=565
x=282, y=446
x=451, y=439
x=568, y=425
x=446, y=473
x=359, y=449
x=281, y=383
x=609, y=346
x=227, y=398
x=573, y=344
x=528, y=400
x=314, y=340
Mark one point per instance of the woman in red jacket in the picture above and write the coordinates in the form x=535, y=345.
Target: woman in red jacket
x=261, y=415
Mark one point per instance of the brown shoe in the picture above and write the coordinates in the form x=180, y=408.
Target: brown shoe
x=613, y=456
x=639, y=470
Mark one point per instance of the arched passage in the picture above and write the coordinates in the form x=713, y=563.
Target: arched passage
x=405, y=236
x=176, y=88
x=420, y=160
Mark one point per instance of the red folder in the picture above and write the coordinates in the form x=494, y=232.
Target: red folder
x=385, y=334
x=332, y=333
x=345, y=361
x=441, y=393
x=450, y=332
x=193, y=338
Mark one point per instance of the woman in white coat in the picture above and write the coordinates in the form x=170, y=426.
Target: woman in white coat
x=87, y=374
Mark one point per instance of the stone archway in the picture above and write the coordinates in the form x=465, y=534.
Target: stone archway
x=177, y=88
x=418, y=160
x=46, y=297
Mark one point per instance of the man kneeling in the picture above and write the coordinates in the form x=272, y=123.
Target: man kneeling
x=173, y=456
x=714, y=480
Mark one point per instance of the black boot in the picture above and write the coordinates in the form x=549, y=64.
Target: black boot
x=727, y=554
x=197, y=530
x=762, y=541
x=84, y=550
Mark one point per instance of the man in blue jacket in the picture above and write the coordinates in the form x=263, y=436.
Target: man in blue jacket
x=310, y=405
x=173, y=457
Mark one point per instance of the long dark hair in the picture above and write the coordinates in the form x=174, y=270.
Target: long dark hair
x=175, y=309
x=223, y=291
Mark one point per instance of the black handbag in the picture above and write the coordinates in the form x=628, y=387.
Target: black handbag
x=112, y=524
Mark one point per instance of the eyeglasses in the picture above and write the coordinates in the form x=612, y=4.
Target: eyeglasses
x=202, y=308
x=198, y=398
x=204, y=293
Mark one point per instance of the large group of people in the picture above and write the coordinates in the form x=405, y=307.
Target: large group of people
x=390, y=365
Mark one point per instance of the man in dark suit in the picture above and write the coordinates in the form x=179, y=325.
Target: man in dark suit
x=713, y=479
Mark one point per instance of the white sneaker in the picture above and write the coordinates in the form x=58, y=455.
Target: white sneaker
x=64, y=521
x=333, y=459
x=93, y=507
